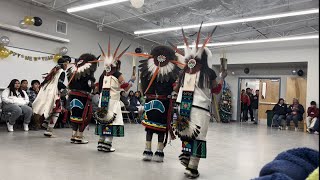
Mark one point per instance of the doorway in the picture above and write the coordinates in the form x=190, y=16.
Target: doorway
x=269, y=94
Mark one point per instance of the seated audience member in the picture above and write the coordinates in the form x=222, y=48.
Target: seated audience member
x=136, y=101
x=95, y=98
x=24, y=85
x=127, y=106
x=130, y=95
x=15, y=101
x=33, y=91
x=313, y=115
x=141, y=98
x=279, y=113
x=295, y=114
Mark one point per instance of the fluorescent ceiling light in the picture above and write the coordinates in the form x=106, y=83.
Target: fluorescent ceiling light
x=94, y=5
x=250, y=19
x=293, y=38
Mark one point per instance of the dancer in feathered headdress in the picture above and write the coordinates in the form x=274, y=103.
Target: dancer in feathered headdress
x=81, y=82
x=158, y=74
x=196, y=85
x=109, y=116
x=48, y=103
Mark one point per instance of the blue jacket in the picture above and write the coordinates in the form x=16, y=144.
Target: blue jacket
x=294, y=164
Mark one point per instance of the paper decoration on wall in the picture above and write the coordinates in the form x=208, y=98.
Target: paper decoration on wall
x=31, y=58
x=264, y=90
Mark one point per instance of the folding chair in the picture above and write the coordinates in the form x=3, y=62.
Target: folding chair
x=125, y=112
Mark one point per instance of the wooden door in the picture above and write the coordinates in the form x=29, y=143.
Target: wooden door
x=269, y=90
x=297, y=88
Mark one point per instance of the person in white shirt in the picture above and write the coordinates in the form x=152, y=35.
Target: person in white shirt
x=15, y=102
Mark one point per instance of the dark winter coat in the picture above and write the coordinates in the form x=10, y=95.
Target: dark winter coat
x=255, y=102
x=280, y=109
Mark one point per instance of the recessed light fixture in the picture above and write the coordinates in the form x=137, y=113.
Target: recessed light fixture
x=94, y=5
x=244, y=20
x=293, y=38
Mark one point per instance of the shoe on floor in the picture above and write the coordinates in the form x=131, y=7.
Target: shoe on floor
x=309, y=131
x=80, y=140
x=316, y=132
x=287, y=127
x=72, y=139
x=48, y=134
x=191, y=173
x=25, y=127
x=296, y=129
x=280, y=127
x=108, y=149
x=147, y=155
x=10, y=127
x=158, y=156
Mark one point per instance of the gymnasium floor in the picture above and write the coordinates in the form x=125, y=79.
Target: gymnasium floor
x=235, y=151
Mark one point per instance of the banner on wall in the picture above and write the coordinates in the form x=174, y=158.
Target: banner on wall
x=31, y=58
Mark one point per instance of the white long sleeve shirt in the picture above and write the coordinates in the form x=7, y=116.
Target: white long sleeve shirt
x=9, y=98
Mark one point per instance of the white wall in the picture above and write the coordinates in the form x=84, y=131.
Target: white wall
x=282, y=52
x=84, y=36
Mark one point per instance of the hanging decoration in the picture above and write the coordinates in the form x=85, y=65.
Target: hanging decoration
x=4, y=41
x=28, y=20
x=138, y=50
x=63, y=51
x=37, y=21
x=23, y=25
x=137, y=3
x=4, y=52
x=56, y=57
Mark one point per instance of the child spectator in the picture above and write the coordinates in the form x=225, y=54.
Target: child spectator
x=33, y=91
x=24, y=85
x=313, y=115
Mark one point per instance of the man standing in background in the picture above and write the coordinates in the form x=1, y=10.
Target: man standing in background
x=249, y=93
x=255, y=106
x=245, y=102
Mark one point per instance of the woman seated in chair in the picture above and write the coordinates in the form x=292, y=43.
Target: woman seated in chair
x=127, y=107
x=279, y=113
x=15, y=102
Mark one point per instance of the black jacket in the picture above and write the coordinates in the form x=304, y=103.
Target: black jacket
x=280, y=109
x=300, y=110
x=255, y=102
